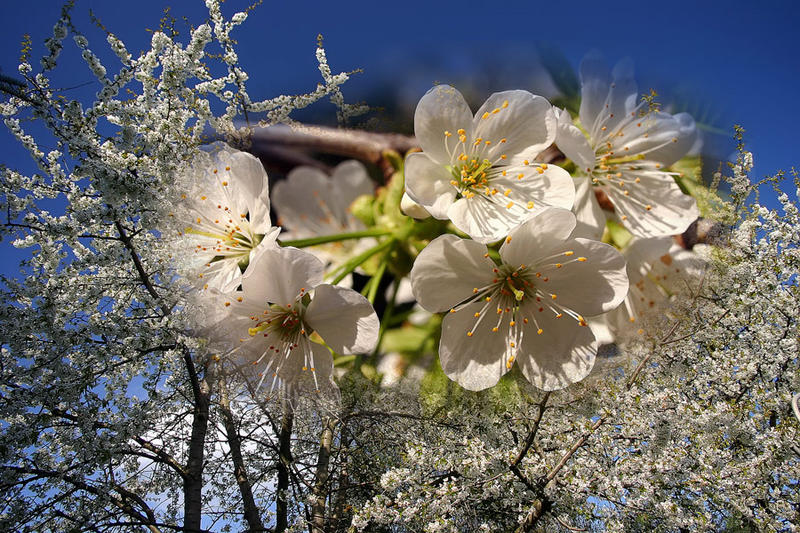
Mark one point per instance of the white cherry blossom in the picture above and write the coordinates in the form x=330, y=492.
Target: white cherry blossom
x=625, y=148
x=529, y=308
x=283, y=302
x=479, y=171
x=226, y=210
x=311, y=204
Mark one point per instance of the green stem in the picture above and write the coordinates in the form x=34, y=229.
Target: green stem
x=375, y=281
x=336, y=237
x=352, y=264
x=387, y=316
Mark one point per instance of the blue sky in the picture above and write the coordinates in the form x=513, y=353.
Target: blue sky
x=734, y=61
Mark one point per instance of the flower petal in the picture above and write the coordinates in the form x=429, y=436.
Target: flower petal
x=591, y=286
x=300, y=202
x=594, y=88
x=571, y=140
x=348, y=181
x=524, y=120
x=276, y=275
x=344, y=319
x=655, y=206
x=252, y=186
x=591, y=220
x=447, y=271
x=475, y=362
x=441, y=110
x=428, y=184
x=545, y=231
x=562, y=354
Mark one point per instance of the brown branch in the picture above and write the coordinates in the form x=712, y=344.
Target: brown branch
x=121, y=502
x=358, y=144
x=143, y=276
x=320, y=490
x=193, y=482
x=514, y=466
x=251, y=514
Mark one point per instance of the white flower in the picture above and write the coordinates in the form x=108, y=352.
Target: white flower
x=282, y=303
x=530, y=308
x=311, y=204
x=479, y=171
x=624, y=149
x=658, y=269
x=226, y=211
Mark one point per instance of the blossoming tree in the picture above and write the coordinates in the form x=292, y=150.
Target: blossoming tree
x=513, y=320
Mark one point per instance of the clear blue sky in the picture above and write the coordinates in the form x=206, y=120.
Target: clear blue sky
x=736, y=60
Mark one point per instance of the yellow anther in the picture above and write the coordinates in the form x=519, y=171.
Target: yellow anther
x=227, y=304
x=512, y=344
x=227, y=168
x=305, y=368
x=530, y=205
x=512, y=323
x=508, y=191
x=447, y=134
x=553, y=296
x=648, y=207
x=632, y=319
x=454, y=183
x=559, y=265
x=239, y=299
x=487, y=143
x=503, y=140
x=203, y=197
x=224, y=183
x=520, y=176
x=581, y=259
x=477, y=141
x=505, y=104
x=540, y=170
x=461, y=131
x=624, y=217
x=559, y=315
x=544, y=166
x=216, y=170
x=452, y=310
x=495, y=110
x=526, y=162
x=509, y=205
x=569, y=253
x=488, y=298
x=463, y=139
x=485, y=115
x=503, y=173
x=469, y=334
x=475, y=290
x=508, y=239
x=626, y=193
x=476, y=315
x=539, y=331
x=637, y=180
x=503, y=156
x=494, y=329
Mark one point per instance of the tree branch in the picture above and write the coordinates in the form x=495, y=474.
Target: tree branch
x=251, y=514
x=284, y=464
x=320, y=490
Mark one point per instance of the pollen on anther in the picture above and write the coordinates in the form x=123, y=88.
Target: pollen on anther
x=505, y=104
x=539, y=331
x=559, y=265
x=224, y=183
x=508, y=239
x=509, y=205
x=488, y=298
x=582, y=259
x=648, y=207
x=452, y=310
x=447, y=134
x=524, y=320
x=530, y=205
x=227, y=304
x=476, y=315
x=553, y=296
x=469, y=334
x=494, y=329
